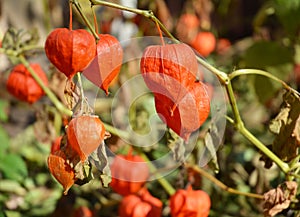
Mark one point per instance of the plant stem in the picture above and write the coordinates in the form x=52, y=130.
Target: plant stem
x=282, y=165
x=149, y=14
x=238, y=121
x=85, y=19
x=60, y=107
x=164, y=183
x=223, y=77
x=11, y=52
x=241, y=128
x=117, y=132
x=221, y=184
x=262, y=73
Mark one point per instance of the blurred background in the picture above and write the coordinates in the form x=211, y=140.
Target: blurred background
x=229, y=34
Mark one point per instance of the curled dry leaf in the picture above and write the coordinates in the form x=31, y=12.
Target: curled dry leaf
x=107, y=63
x=71, y=94
x=61, y=170
x=286, y=128
x=70, y=51
x=84, y=134
x=57, y=84
x=279, y=198
x=100, y=160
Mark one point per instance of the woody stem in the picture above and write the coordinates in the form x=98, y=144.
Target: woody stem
x=221, y=184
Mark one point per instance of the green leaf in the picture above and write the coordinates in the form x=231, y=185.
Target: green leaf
x=4, y=138
x=267, y=53
x=12, y=214
x=12, y=186
x=13, y=167
x=264, y=88
x=3, y=110
x=271, y=57
x=288, y=13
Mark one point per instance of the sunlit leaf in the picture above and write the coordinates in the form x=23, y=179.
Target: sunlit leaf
x=4, y=141
x=13, y=167
x=288, y=13
x=12, y=186
x=3, y=110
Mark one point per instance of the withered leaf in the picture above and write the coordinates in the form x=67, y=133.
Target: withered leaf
x=83, y=172
x=57, y=84
x=209, y=142
x=176, y=144
x=286, y=128
x=100, y=160
x=102, y=73
x=207, y=152
x=46, y=125
x=72, y=94
x=279, y=198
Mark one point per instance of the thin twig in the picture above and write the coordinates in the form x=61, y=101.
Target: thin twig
x=221, y=184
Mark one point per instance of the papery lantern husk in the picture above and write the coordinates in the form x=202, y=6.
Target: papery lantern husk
x=169, y=68
x=142, y=204
x=106, y=66
x=188, y=114
x=84, y=135
x=61, y=170
x=70, y=51
x=190, y=202
x=129, y=174
x=23, y=86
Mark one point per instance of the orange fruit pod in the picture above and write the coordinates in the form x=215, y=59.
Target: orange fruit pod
x=70, y=51
x=61, y=170
x=84, y=134
x=23, y=86
x=142, y=204
x=169, y=68
x=107, y=64
x=190, y=112
x=189, y=203
x=204, y=43
x=129, y=174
